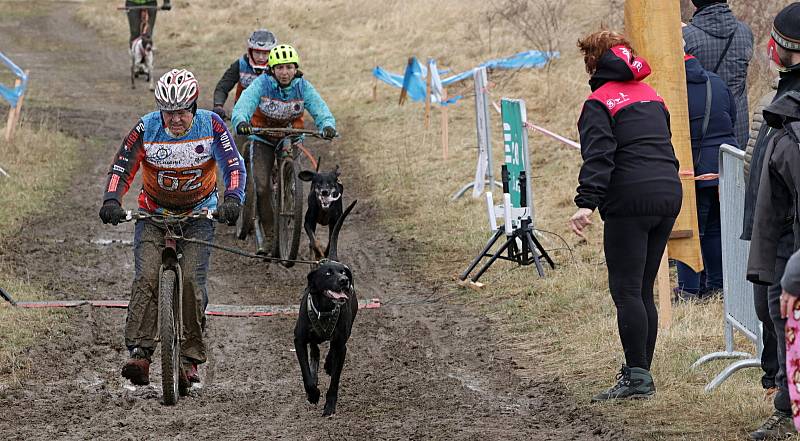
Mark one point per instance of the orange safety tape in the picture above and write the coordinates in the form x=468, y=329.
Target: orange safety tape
x=688, y=175
x=215, y=310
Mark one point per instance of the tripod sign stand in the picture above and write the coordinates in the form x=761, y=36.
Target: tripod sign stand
x=521, y=244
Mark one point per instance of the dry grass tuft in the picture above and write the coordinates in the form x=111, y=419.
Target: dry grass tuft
x=562, y=326
x=35, y=179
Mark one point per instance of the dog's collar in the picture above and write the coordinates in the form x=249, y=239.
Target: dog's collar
x=323, y=323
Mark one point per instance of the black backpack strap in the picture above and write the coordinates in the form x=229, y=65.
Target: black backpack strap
x=707, y=115
x=725, y=51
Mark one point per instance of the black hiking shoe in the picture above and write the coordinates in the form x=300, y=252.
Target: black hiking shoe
x=632, y=383
x=778, y=426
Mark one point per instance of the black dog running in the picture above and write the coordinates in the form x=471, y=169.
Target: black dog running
x=327, y=312
x=324, y=207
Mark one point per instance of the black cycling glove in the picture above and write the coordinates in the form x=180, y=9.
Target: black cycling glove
x=328, y=132
x=244, y=128
x=229, y=210
x=111, y=212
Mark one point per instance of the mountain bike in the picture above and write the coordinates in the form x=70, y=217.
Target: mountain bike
x=170, y=299
x=287, y=193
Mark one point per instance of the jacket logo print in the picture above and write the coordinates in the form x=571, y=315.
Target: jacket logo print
x=613, y=102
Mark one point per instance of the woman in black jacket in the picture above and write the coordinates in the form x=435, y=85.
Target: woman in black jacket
x=630, y=175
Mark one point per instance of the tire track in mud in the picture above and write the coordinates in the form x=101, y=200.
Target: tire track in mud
x=418, y=368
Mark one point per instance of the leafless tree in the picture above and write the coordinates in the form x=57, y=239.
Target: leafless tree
x=539, y=21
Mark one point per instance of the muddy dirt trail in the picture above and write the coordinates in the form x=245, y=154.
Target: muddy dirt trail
x=417, y=368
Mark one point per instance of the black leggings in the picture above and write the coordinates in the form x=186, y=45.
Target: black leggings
x=633, y=248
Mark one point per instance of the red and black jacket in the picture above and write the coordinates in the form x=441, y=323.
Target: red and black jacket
x=629, y=166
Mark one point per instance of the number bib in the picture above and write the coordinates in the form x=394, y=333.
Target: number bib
x=179, y=172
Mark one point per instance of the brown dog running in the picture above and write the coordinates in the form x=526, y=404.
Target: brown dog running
x=327, y=312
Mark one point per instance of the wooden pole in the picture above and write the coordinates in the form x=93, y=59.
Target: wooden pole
x=428, y=94
x=654, y=29
x=403, y=90
x=13, y=114
x=445, y=128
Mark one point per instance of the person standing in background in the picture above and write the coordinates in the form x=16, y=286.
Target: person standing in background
x=784, y=51
x=712, y=116
x=724, y=46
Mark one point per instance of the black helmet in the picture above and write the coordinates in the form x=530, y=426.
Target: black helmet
x=260, y=40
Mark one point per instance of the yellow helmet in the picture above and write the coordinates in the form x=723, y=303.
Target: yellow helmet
x=283, y=54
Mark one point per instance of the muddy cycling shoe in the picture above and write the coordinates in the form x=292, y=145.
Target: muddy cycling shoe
x=778, y=426
x=137, y=368
x=183, y=383
x=191, y=372
x=632, y=383
x=266, y=247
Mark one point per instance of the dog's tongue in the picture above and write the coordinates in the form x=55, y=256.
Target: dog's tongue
x=335, y=295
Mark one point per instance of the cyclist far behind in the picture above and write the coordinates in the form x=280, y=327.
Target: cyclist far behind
x=179, y=148
x=135, y=16
x=277, y=99
x=241, y=73
x=244, y=70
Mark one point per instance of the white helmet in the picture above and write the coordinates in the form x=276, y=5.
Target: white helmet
x=176, y=90
x=260, y=40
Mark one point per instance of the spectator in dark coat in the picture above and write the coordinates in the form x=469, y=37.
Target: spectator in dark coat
x=724, y=46
x=712, y=116
x=630, y=175
x=777, y=201
x=772, y=229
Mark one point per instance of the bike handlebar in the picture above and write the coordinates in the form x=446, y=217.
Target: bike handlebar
x=169, y=218
x=285, y=131
x=137, y=8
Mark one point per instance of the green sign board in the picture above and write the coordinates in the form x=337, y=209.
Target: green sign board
x=515, y=148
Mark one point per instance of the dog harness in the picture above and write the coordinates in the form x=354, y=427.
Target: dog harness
x=179, y=173
x=323, y=323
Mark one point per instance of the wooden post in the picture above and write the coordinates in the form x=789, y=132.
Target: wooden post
x=445, y=129
x=428, y=94
x=654, y=29
x=13, y=113
x=403, y=90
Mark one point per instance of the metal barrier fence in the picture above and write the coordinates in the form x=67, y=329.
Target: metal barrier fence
x=740, y=313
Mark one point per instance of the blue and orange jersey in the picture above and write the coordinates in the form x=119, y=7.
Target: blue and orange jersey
x=179, y=174
x=246, y=76
x=277, y=106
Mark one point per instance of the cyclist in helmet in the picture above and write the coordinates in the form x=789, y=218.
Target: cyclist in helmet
x=245, y=69
x=179, y=148
x=135, y=17
x=277, y=100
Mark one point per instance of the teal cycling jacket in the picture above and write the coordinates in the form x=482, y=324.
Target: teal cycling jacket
x=281, y=106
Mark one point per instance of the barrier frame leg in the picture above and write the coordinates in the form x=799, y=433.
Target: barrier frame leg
x=466, y=187
x=730, y=370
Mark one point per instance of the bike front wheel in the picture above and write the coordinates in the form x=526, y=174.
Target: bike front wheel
x=289, y=216
x=168, y=312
